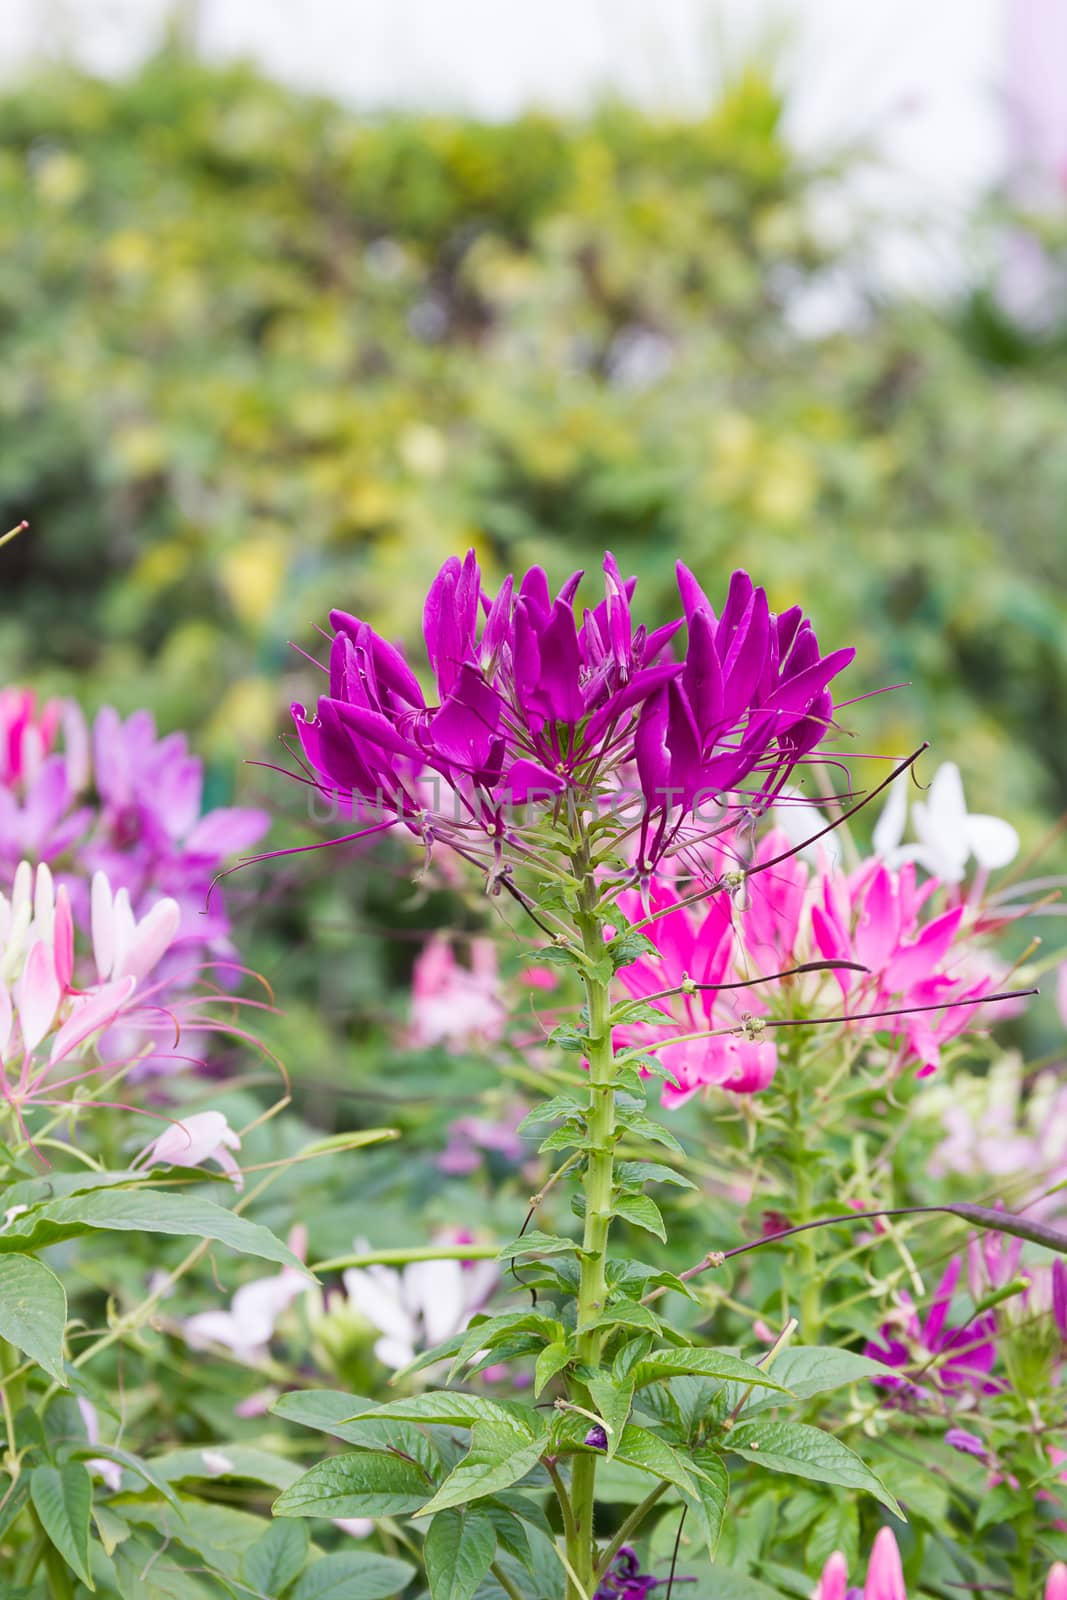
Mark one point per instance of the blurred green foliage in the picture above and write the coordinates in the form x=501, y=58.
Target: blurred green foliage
x=263, y=356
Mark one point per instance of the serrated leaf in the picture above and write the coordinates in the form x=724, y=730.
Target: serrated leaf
x=500, y=1455
x=807, y=1452
x=808, y=1370
x=144, y=1211
x=646, y=1451
x=33, y=1312
x=364, y=1483
x=561, y=1105
x=537, y=1244
x=713, y=1491
x=630, y=1011
x=459, y=1549
x=705, y=1363
x=328, y=1410
x=481, y=1335
x=63, y=1500
x=641, y=1211
x=629, y=1314
x=553, y=1359
x=353, y=1575
x=454, y=1407
x=277, y=1557
x=567, y=1037
x=566, y=1138
x=631, y=1174
x=629, y=946
x=641, y=1123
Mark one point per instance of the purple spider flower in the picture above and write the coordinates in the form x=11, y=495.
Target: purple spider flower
x=951, y=1359
x=531, y=704
x=751, y=701
x=624, y=1579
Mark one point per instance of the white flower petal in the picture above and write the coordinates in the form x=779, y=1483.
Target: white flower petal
x=993, y=841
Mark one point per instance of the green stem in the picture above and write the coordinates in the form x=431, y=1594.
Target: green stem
x=505, y=1582
x=810, y=1313
x=630, y=1526
x=598, y=1180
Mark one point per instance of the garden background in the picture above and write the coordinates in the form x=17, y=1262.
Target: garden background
x=265, y=355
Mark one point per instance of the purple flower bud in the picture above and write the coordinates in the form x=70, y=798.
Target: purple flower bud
x=596, y=1438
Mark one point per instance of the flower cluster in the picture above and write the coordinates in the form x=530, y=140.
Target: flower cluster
x=932, y=1351
x=716, y=952
x=117, y=799
x=45, y=1018
x=531, y=705
x=885, y=1575
x=65, y=1019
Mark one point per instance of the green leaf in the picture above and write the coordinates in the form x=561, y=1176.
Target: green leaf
x=63, y=1499
x=277, y=1557
x=629, y=946
x=708, y=1505
x=33, y=1311
x=837, y=1529
x=154, y=1572
x=553, y=1359
x=646, y=1451
x=628, y=1314
x=566, y=1138
x=459, y=1549
x=353, y=1575
x=561, y=1105
x=329, y=1411
x=454, y=1407
x=631, y=1011
x=568, y=1037
x=221, y=1461
x=632, y=1174
x=144, y=1211
x=364, y=1483
x=613, y=1400
x=130, y=1463
x=808, y=1370
x=642, y=1212
x=705, y=1363
x=537, y=1244
x=481, y=1335
x=806, y=1452
x=641, y=1123
x=500, y=1454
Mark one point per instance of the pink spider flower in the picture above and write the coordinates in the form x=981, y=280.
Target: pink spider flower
x=27, y=733
x=873, y=916
x=201, y=1136
x=885, y=1575
x=61, y=1024
x=697, y=945
x=455, y=1005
